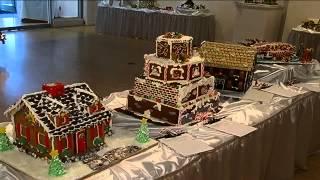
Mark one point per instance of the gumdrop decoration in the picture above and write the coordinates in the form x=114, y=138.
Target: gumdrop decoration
x=143, y=132
x=56, y=167
x=5, y=144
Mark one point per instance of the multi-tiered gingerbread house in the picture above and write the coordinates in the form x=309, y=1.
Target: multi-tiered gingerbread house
x=69, y=119
x=173, y=88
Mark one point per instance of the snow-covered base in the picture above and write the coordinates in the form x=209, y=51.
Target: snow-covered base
x=122, y=137
x=38, y=168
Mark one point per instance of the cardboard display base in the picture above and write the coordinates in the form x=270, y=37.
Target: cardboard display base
x=38, y=168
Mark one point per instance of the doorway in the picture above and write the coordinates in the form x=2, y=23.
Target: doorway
x=67, y=13
x=26, y=14
x=21, y=14
x=81, y=143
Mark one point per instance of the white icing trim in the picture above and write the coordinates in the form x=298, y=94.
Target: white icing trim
x=177, y=69
x=152, y=58
x=97, y=129
x=183, y=39
x=55, y=101
x=23, y=135
x=87, y=92
x=182, y=82
x=196, y=102
x=41, y=92
x=36, y=116
x=39, y=139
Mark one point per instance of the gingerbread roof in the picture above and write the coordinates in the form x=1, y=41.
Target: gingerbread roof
x=75, y=102
x=230, y=56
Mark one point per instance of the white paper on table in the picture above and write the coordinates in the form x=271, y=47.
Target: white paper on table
x=314, y=87
x=233, y=128
x=116, y=100
x=186, y=145
x=257, y=95
x=283, y=91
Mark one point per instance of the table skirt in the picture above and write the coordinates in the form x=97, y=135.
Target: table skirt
x=149, y=25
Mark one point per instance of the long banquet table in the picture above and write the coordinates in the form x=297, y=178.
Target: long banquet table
x=148, y=24
x=288, y=131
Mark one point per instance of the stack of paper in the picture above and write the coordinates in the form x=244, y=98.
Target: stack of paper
x=233, y=128
x=258, y=96
x=186, y=145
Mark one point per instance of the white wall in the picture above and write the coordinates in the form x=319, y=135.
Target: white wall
x=90, y=11
x=297, y=12
x=224, y=11
x=69, y=8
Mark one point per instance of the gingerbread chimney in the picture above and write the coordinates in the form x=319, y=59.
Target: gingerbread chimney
x=54, y=89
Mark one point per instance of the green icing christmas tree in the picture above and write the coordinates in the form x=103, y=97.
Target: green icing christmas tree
x=56, y=167
x=5, y=143
x=143, y=132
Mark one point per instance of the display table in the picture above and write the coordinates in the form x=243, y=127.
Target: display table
x=148, y=24
x=309, y=40
x=287, y=133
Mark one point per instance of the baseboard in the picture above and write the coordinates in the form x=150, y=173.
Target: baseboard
x=28, y=20
x=66, y=22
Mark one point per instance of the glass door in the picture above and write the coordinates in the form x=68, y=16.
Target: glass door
x=23, y=14
x=66, y=13
x=7, y=6
x=65, y=9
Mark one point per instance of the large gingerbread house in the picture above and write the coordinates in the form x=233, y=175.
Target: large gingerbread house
x=173, y=88
x=70, y=119
x=232, y=65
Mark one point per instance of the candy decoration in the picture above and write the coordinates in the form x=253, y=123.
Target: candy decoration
x=54, y=89
x=5, y=143
x=203, y=116
x=56, y=167
x=143, y=132
x=30, y=118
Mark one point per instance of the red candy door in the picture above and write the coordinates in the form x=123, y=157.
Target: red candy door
x=81, y=142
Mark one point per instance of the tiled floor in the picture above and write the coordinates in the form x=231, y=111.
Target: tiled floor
x=106, y=63
x=31, y=58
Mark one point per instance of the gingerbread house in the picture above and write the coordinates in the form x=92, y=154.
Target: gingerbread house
x=70, y=119
x=232, y=65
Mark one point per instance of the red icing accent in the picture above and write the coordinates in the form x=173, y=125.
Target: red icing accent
x=101, y=132
x=18, y=130
x=28, y=133
x=58, y=144
x=54, y=89
x=62, y=120
x=93, y=133
x=95, y=107
x=70, y=142
x=81, y=143
x=36, y=136
x=47, y=141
